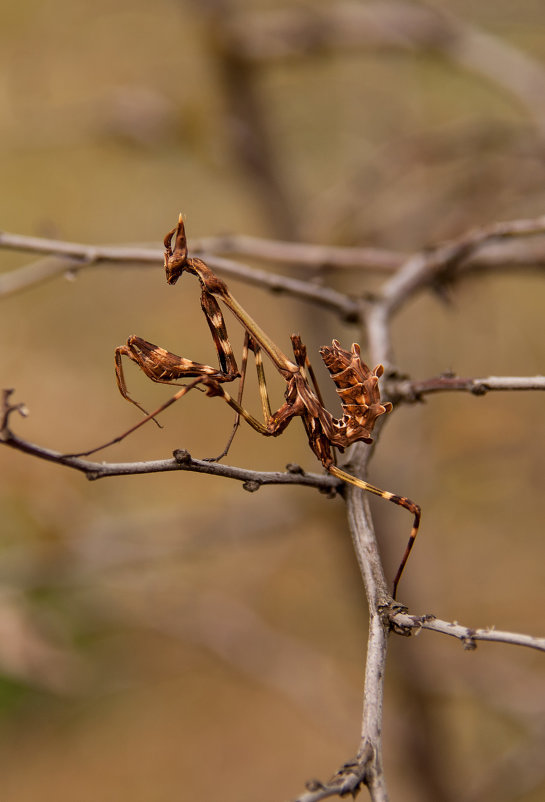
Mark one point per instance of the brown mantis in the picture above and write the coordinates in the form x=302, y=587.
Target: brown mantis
x=356, y=384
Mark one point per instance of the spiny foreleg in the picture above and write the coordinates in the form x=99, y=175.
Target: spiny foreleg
x=163, y=367
x=158, y=364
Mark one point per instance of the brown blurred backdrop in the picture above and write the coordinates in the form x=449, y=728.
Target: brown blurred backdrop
x=171, y=636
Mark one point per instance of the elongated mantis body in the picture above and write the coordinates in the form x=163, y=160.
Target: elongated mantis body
x=356, y=383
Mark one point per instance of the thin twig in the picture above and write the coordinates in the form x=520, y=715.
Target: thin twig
x=411, y=391
x=303, y=254
x=469, y=636
x=87, y=253
x=327, y=297
x=494, y=255
x=432, y=268
x=347, y=780
x=181, y=461
x=440, y=263
x=35, y=273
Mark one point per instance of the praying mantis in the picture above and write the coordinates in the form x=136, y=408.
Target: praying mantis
x=356, y=385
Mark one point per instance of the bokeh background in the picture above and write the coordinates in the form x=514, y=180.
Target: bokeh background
x=171, y=636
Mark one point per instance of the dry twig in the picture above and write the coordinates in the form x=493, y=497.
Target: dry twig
x=393, y=25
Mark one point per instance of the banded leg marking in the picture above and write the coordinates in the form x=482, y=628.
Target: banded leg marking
x=401, y=501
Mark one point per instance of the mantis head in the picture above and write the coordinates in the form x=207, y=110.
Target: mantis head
x=176, y=258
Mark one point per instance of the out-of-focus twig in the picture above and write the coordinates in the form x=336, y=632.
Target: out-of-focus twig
x=441, y=263
x=433, y=268
x=393, y=25
x=496, y=247
x=378, y=260
x=247, y=129
x=491, y=255
x=76, y=256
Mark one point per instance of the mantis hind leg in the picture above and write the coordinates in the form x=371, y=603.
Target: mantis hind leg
x=401, y=501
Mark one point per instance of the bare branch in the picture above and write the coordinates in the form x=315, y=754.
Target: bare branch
x=182, y=461
x=380, y=603
x=302, y=254
x=35, y=273
x=489, y=248
x=430, y=269
x=411, y=391
x=440, y=263
x=83, y=256
x=326, y=297
x=505, y=254
x=367, y=768
x=347, y=780
x=403, y=622
x=493, y=255
x=89, y=254
x=377, y=315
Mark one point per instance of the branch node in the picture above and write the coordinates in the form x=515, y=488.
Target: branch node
x=92, y=475
x=330, y=492
x=391, y=608
x=314, y=785
x=415, y=626
x=469, y=642
x=182, y=456
x=346, y=781
x=7, y=410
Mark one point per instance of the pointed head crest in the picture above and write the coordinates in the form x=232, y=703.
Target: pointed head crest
x=175, y=258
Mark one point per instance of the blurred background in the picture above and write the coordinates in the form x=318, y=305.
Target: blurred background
x=171, y=636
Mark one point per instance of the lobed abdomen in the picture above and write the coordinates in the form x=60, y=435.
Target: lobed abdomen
x=357, y=387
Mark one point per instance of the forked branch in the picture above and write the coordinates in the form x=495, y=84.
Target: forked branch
x=357, y=386
x=404, y=623
x=490, y=248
